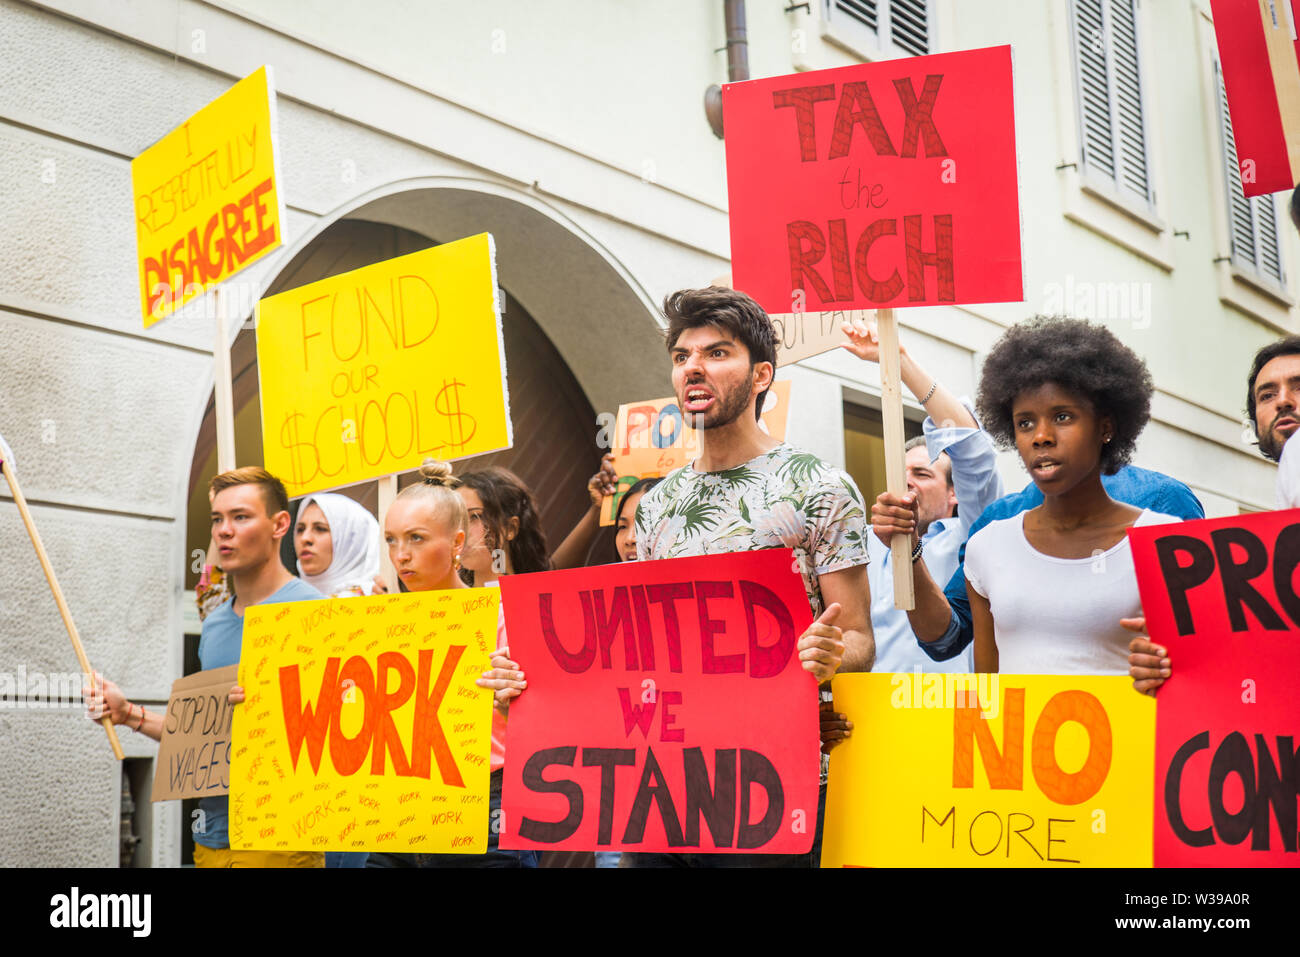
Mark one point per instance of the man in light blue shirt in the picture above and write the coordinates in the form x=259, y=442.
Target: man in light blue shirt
x=951, y=466
x=954, y=465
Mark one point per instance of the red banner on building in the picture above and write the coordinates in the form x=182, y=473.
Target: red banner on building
x=874, y=185
x=666, y=708
x=1222, y=596
x=1261, y=73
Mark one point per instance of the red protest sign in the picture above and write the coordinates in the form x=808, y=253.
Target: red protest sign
x=876, y=185
x=1261, y=75
x=1221, y=595
x=666, y=708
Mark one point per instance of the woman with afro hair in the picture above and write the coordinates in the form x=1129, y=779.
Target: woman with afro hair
x=1049, y=587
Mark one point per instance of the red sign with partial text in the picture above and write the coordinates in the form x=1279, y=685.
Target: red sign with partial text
x=1222, y=597
x=666, y=708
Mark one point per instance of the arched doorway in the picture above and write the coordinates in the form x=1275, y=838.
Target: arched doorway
x=554, y=448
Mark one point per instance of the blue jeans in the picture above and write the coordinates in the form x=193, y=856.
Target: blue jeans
x=494, y=857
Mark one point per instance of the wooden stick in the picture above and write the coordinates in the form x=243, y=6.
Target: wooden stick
x=35, y=536
x=387, y=492
x=891, y=414
x=222, y=388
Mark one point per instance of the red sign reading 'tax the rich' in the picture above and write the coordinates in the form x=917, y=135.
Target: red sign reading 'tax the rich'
x=876, y=185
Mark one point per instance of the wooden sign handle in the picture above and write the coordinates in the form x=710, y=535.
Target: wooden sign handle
x=387, y=493
x=891, y=414
x=35, y=536
x=222, y=387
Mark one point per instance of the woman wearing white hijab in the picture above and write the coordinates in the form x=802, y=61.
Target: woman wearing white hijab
x=337, y=542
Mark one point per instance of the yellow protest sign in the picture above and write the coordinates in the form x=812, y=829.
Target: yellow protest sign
x=948, y=770
x=370, y=372
x=362, y=728
x=651, y=439
x=207, y=198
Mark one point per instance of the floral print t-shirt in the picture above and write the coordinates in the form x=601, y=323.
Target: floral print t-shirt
x=780, y=499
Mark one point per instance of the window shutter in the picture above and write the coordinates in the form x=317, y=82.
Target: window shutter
x=909, y=26
x=1252, y=222
x=1108, y=74
x=906, y=23
x=863, y=11
x=1132, y=154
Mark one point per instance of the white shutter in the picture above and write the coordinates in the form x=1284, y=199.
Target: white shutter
x=1252, y=222
x=905, y=24
x=909, y=26
x=1112, y=122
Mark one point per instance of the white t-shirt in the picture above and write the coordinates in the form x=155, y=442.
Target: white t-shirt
x=1288, y=476
x=1056, y=615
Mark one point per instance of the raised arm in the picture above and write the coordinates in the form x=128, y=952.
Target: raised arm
x=573, y=550
x=940, y=404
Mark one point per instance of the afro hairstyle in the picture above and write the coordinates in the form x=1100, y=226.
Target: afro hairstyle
x=1080, y=357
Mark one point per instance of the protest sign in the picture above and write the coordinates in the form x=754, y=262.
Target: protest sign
x=370, y=372
x=1221, y=597
x=990, y=771
x=207, y=197
x=1261, y=74
x=666, y=708
x=873, y=185
x=194, y=754
x=362, y=727
x=651, y=439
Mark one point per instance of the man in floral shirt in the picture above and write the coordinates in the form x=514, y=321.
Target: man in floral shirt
x=747, y=491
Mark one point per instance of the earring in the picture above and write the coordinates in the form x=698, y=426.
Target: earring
x=455, y=561
x=1106, y=439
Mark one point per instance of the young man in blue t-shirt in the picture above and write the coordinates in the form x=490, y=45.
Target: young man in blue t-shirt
x=250, y=515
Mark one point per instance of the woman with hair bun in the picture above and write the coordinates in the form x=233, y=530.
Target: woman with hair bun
x=425, y=530
x=1049, y=587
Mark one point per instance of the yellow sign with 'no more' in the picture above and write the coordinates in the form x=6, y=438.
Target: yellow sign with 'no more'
x=370, y=372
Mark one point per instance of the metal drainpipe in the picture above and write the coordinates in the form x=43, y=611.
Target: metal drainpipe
x=733, y=14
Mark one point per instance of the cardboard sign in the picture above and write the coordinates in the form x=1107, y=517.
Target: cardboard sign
x=370, y=372
x=1258, y=55
x=874, y=185
x=651, y=439
x=1222, y=596
x=990, y=771
x=207, y=197
x=666, y=708
x=362, y=729
x=194, y=754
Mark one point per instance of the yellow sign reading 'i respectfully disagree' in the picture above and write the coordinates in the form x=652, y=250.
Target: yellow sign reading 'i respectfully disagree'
x=362, y=727
x=991, y=771
x=368, y=373
x=207, y=200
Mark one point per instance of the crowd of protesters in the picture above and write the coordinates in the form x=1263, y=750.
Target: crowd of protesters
x=1005, y=583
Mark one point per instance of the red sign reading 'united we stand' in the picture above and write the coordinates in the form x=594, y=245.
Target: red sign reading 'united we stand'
x=666, y=708
x=1222, y=596
x=876, y=185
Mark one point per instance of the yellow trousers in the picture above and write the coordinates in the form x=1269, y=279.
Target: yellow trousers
x=225, y=857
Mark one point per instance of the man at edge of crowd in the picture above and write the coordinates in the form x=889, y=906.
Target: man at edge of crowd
x=1273, y=406
x=250, y=515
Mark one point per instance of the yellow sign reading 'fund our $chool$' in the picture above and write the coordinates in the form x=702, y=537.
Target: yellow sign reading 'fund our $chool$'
x=207, y=199
x=991, y=771
x=368, y=373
